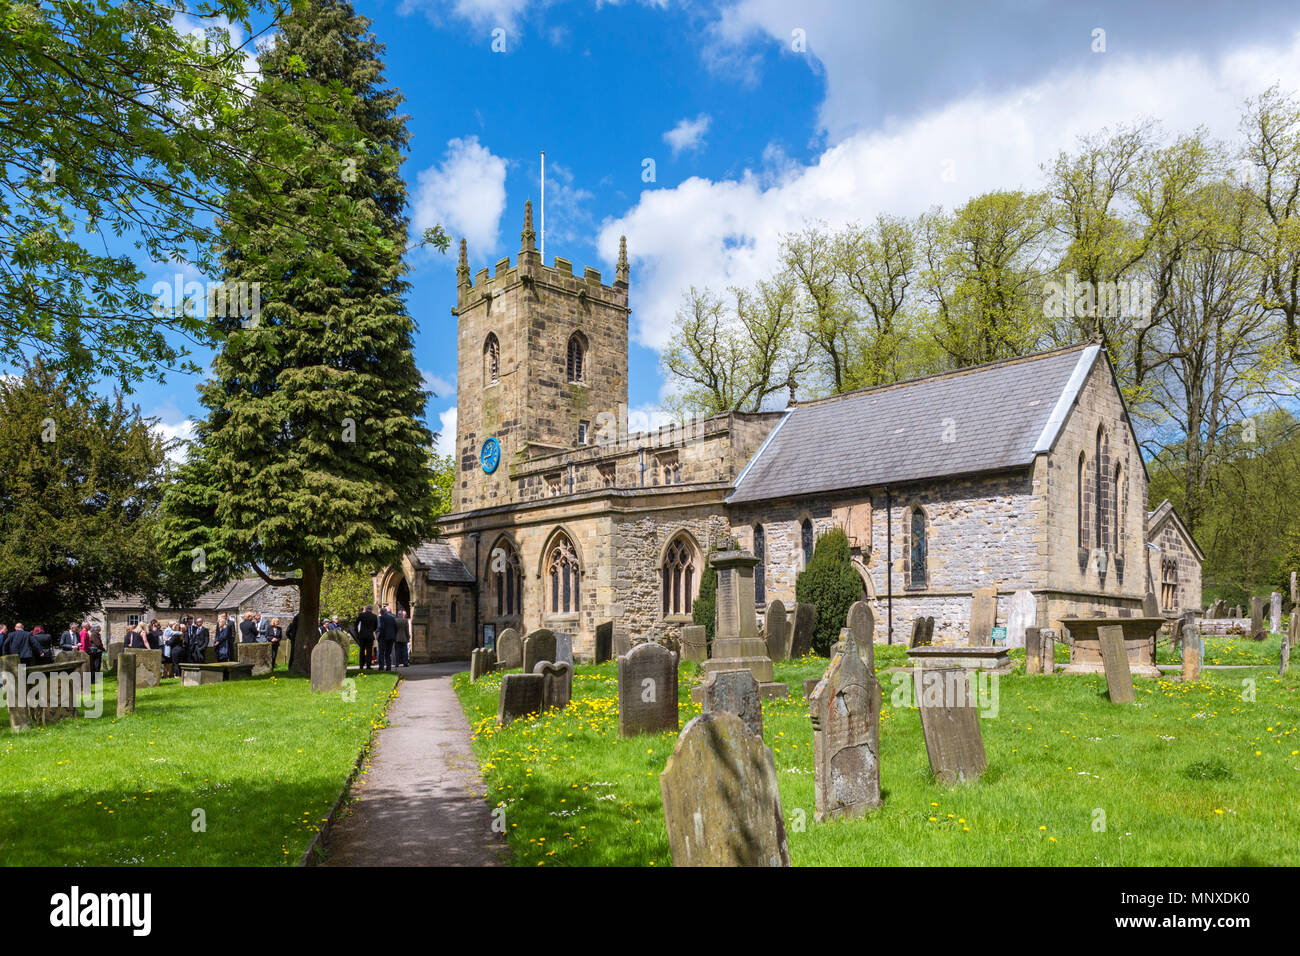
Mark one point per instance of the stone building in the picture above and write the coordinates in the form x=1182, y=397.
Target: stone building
x=1021, y=474
x=1173, y=561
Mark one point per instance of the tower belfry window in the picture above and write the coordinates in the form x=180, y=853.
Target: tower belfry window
x=577, y=359
x=491, y=360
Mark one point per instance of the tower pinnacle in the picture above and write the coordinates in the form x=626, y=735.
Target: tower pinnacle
x=528, y=237
x=620, y=272
x=462, y=267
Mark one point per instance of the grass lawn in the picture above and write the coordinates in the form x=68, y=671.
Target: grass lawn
x=1192, y=775
x=264, y=759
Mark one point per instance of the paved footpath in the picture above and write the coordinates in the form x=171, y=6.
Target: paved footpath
x=422, y=803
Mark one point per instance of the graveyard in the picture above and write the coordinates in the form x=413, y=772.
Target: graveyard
x=241, y=772
x=1188, y=775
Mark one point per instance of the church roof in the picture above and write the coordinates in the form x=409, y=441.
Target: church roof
x=1164, y=512
x=442, y=564
x=985, y=418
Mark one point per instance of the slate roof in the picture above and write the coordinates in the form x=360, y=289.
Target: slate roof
x=227, y=596
x=442, y=564
x=1002, y=415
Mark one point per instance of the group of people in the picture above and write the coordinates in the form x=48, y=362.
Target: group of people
x=37, y=646
x=392, y=633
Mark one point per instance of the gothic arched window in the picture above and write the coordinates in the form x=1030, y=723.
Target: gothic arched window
x=679, y=577
x=562, y=576
x=507, y=580
x=806, y=541
x=1083, y=501
x=1117, y=509
x=760, y=569
x=491, y=360
x=453, y=612
x=577, y=358
x=1099, y=470
x=919, y=548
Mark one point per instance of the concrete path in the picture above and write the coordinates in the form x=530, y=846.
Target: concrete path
x=422, y=803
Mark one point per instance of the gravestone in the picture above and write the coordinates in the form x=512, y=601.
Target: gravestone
x=622, y=642
x=918, y=632
x=736, y=640
x=259, y=655
x=510, y=649
x=805, y=619
x=861, y=621
x=695, y=646
x=1284, y=655
x=14, y=693
x=778, y=631
x=1047, y=638
x=328, y=667
x=481, y=662
x=538, y=646
x=557, y=683
x=647, y=690
x=735, y=692
x=950, y=723
x=1289, y=639
x=722, y=806
x=1114, y=657
x=1257, y=619
x=929, y=630
x=809, y=685
x=521, y=695
x=604, y=641
x=125, y=683
x=1021, y=615
x=564, y=649
x=1275, y=613
x=983, y=615
x=1150, y=605
x=1295, y=589
x=1033, y=651
x=845, y=712
x=1192, y=653
x=148, y=667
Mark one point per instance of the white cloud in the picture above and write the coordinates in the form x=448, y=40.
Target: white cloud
x=688, y=134
x=446, y=441
x=479, y=14
x=465, y=194
x=439, y=386
x=177, y=435
x=718, y=233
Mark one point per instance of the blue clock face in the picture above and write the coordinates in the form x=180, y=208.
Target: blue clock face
x=490, y=456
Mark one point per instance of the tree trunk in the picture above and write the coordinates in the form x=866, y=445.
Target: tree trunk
x=308, y=616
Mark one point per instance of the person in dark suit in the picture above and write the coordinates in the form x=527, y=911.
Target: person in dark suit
x=291, y=635
x=68, y=639
x=196, y=641
x=21, y=644
x=387, y=638
x=44, y=643
x=403, y=647
x=248, y=630
x=367, y=625
x=225, y=638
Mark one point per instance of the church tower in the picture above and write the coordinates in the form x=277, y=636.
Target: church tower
x=541, y=354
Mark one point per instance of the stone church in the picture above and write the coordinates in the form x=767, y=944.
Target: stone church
x=1019, y=474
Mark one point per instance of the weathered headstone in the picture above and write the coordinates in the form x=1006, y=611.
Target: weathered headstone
x=1275, y=613
x=918, y=632
x=125, y=683
x=1047, y=635
x=1284, y=655
x=929, y=630
x=328, y=667
x=14, y=693
x=259, y=655
x=521, y=695
x=1257, y=619
x=622, y=641
x=604, y=641
x=722, y=806
x=647, y=690
x=778, y=631
x=1192, y=653
x=1022, y=613
x=737, y=693
x=809, y=685
x=1295, y=589
x=805, y=619
x=481, y=662
x=148, y=667
x=557, y=683
x=564, y=649
x=1114, y=657
x=1150, y=605
x=509, y=649
x=695, y=643
x=539, y=645
x=950, y=723
x=861, y=620
x=845, y=711
x=1033, y=651
x=983, y=615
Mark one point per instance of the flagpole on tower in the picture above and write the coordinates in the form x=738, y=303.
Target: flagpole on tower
x=543, y=207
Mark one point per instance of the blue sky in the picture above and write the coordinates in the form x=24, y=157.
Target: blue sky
x=760, y=116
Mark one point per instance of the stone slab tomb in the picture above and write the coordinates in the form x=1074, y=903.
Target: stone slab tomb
x=845, y=712
x=950, y=723
x=722, y=806
x=647, y=690
x=1114, y=656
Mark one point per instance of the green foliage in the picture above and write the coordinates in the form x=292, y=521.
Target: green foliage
x=442, y=470
x=114, y=124
x=314, y=450
x=345, y=592
x=829, y=582
x=83, y=480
